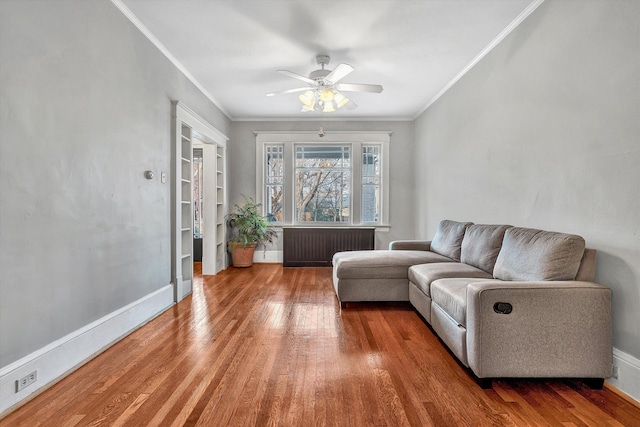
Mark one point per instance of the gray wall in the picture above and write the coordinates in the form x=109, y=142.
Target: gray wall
x=242, y=160
x=545, y=132
x=85, y=110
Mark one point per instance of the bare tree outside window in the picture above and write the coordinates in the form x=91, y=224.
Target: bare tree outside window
x=322, y=183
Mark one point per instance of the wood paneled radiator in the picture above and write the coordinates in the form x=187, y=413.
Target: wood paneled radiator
x=314, y=247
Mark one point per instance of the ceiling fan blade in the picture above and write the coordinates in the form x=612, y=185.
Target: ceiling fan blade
x=298, y=76
x=359, y=87
x=339, y=73
x=298, y=89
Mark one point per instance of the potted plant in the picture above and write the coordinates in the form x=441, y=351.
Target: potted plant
x=248, y=229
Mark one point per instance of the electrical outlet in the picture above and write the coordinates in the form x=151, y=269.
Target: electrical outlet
x=27, y=380
x=163, y=177
x=614, y=371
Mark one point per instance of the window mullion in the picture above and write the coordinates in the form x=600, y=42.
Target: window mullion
x=384, y=184
x=289, y=183
x=260, y=175
x=356, y=183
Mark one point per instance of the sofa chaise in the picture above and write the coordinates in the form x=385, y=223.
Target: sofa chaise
x=509, y=302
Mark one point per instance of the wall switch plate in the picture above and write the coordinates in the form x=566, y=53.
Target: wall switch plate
x=163, y=177
x=614, y=371
x=26, y=381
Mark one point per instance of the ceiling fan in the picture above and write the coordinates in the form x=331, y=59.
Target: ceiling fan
x=323, y=92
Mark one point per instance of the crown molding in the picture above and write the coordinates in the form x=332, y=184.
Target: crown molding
x=504, y=33
x=162, y=48
x=315, y=132
x=323, y=119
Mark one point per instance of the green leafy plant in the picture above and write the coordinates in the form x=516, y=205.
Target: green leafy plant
x=248, y=225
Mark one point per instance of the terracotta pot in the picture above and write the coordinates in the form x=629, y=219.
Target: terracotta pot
x=242, y=255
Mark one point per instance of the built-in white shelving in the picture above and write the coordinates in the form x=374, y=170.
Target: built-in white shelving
x=189, y=128
x=221, y=249
x=186, y=209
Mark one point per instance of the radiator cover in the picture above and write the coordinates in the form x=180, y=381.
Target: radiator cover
x=315, y=247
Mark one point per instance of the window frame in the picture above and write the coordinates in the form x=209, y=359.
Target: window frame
x=279, y=150
x=356, y=140
x=340, y=169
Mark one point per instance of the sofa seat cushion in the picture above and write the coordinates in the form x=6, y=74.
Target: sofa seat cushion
x=481, y=245
x=528, y=254
x=423, y=275
x=381, y=264
x=448, y=238
x=451, y=295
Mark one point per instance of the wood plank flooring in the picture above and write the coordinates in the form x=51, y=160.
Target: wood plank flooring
x=269, y=346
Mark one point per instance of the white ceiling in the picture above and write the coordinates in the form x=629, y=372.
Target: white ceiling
x=414, y=48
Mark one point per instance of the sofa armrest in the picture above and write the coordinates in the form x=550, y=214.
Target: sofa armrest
x=410, y=245
x=553, y=329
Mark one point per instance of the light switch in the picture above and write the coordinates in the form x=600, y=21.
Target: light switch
x=163, y=177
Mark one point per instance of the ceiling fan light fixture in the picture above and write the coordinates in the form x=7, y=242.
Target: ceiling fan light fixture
x=308, y=97
x=326, y=100
x=308, y=100
x=327, y=95
x=308, y=107
x=328, y=107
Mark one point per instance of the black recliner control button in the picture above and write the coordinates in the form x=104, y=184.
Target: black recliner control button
x=502, y=308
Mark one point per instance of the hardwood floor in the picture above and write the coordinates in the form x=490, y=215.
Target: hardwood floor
x=269, y=346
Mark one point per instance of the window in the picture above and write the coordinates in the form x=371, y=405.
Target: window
x=274, y=182
x=338, y=179
x=370, y=183
x=322, y=183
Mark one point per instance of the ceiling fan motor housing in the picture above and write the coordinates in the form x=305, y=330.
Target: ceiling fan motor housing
x=319, y=75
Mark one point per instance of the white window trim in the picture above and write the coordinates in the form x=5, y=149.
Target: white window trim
x=355, y=138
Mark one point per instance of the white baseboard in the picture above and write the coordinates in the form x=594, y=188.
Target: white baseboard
x=60, y=357
x=628, y=368
x=268, y=256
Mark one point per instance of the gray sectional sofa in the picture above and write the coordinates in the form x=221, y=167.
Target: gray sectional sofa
x=509, y=302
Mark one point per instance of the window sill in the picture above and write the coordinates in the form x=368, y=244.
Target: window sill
x=378, y=227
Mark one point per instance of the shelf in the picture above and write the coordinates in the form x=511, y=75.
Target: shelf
x=186, y=181
x=186, y=138
x=186, y=229
x=185, y=160
x=186, y=202
x=185, y=256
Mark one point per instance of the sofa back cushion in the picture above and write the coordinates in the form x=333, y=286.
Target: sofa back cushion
x=587, y=270
x=448, y=238
x=481, y=245
x=529, y=254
